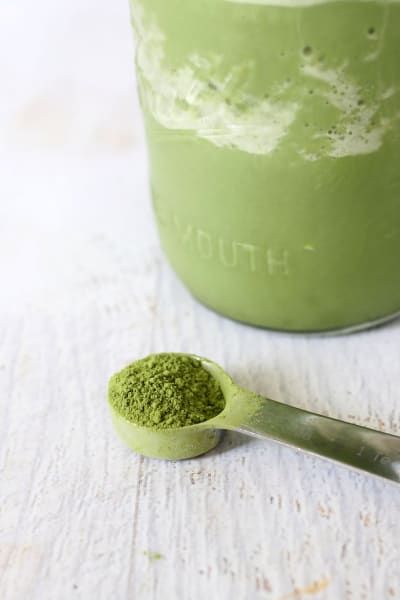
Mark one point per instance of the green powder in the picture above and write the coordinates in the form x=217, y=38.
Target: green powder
x=153, y=556
x=166, y=391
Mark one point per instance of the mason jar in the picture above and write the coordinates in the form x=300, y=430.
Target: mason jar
x=273, y=130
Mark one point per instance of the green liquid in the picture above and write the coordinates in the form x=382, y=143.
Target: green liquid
x=274, y=142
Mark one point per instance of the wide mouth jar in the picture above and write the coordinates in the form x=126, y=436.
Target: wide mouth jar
x=273, y=133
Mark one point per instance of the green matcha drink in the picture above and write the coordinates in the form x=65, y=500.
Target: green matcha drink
x=274, y=138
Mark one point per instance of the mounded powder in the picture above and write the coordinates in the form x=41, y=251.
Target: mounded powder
x=165, y=391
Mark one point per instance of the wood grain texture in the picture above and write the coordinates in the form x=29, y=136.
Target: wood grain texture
x=85, y=289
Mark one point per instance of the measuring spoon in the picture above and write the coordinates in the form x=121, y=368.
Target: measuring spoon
x=357, y=447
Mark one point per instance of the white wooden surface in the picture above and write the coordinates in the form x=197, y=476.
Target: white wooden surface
x=84, y=290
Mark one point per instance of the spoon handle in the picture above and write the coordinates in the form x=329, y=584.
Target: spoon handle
x=362, y=448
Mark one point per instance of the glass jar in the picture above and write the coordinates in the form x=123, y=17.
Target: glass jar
x=273, y=131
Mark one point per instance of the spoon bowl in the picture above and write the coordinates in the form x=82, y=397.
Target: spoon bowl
x=180, y=443
x=167, y=444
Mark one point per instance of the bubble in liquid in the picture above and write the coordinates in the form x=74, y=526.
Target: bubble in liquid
x=307, y=50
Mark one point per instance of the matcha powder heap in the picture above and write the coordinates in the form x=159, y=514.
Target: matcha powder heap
x=166, y=391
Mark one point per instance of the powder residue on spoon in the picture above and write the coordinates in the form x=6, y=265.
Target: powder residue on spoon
x=166, y=391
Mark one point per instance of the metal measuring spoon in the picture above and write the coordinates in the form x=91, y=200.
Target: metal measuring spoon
x=358, y=447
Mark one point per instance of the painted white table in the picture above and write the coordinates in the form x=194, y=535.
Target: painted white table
x=85, y=289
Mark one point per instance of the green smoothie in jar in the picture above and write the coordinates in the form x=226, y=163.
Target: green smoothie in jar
x=273, y=129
